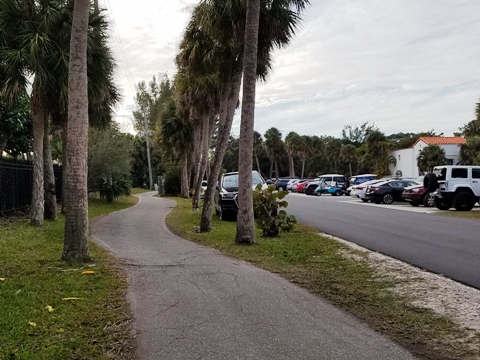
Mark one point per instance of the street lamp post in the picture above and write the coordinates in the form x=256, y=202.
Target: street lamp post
x=150, y=177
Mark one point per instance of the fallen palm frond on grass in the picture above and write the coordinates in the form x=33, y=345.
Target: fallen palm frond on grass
x=321, y=265
x=53, y=310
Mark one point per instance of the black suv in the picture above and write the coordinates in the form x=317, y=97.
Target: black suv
x=226, y=204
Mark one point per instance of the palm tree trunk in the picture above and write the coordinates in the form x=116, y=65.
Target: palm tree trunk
x=277, y=172
x=203, y=163
x=49, y=176
x=258, y=164
x=184, y=177
x=76, y=195
x=38, y=117
x=271, y=168
x=227, y=112
x=245, y=225
x=350, y=168
x=64, y=164
x=303, y=167
x=291, y=166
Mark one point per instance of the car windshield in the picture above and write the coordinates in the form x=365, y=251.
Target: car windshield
x=231, y=181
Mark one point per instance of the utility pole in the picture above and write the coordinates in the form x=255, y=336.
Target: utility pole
x=150, y=177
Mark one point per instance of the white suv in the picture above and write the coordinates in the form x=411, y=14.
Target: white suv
x=454, y=185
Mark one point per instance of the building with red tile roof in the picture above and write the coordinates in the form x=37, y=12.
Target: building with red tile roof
x=406, y=159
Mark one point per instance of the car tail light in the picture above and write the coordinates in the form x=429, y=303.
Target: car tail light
x=359, y=187
x=373, y=188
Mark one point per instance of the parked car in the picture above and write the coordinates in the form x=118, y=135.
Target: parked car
x=417, y=195
x=387, y=192
x=300, y=185
x=226, y=205
x=291, y=184
x=358, y=191
x=281, y=184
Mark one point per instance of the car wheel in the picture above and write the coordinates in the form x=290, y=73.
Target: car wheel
x=364, y=200
x=463, y=201
x=337, y=193
x=441, y=204
x=387, y=199
x=430, y=182
x=318, y=193
x=428, y=200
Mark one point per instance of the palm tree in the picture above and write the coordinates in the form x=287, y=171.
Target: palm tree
x=293, y=146
x=257, y=147
x=333, y=147
x=245, y=225
x=175, y=138
x=429, y=157
x=76, y=192
x=470, y=151
x=274, y=146
x=348, y=153
x=224, y=21
x=305, y=151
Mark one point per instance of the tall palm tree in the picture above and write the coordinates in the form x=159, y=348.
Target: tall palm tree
x=429, y=157
x=224, y=21
x=274, y=146
x=305, y=150
x=293, y=146
x=175, y=138
x=76, y=193
x=257, y=147
x=245, y=225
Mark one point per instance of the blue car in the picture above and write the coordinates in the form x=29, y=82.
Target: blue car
x=333, y=189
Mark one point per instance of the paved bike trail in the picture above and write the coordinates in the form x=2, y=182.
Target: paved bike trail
x=191, y=302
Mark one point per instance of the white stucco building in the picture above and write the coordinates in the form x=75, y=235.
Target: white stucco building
x=407, y=158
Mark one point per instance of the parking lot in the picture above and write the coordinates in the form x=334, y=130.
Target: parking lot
x=404, y=206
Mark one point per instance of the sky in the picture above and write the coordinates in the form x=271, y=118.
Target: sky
x=401, y=65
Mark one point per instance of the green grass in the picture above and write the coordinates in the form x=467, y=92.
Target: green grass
x=317, y=264
x=93, y=327
x=474, y=215
x=140, y=191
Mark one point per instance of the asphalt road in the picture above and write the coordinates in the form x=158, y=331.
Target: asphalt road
x=191, y=302
x=441, y=244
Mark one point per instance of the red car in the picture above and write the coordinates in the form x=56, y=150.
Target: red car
x=300, y=186
x=416, y=195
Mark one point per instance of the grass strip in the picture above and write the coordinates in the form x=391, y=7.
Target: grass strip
x=318, y=264
x=48, y=308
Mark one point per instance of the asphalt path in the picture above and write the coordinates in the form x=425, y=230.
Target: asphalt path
x=441, y=244
x=191, y=302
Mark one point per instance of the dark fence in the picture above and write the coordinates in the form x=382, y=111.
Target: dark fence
x=16, y=179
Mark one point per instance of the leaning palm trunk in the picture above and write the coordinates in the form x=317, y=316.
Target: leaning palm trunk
x=197, y=152
x=64, y=164
x=38, y=116
x=245, y=225
x=227, y=111
x=76, y=195
x=258, y=164
x=49, y=176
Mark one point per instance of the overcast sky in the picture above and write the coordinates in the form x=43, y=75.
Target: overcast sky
x=404, y=65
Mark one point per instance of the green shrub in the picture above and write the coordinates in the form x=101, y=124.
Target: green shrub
x=172, y=181
x=270, y=218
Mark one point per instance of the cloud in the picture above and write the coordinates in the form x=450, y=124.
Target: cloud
x=406, y=65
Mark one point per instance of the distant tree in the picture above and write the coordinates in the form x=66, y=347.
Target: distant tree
x=257, y=148
x=357, y=135
x=377, y=153
x=348, y=154
x=109, y=162
x=333, y=147
x=429, y=157
x=470, y=151
x=293, y=146
x=275, y=147
x=230, y=160
x=15, y=127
